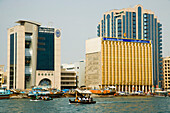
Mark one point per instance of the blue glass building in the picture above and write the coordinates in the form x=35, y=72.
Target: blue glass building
x=135, y=23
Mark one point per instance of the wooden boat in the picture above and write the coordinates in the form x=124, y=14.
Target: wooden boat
x=44, y=98
x=83, y=98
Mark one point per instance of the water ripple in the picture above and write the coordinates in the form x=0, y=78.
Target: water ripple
x=110, y=105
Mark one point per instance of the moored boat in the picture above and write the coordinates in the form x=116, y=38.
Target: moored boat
x=4, y=94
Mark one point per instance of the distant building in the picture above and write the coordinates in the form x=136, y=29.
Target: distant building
x=79, y=68
x=5, y=78
x=166, y=73
x=123, y=63
x=135, y=23
x=68, y=79
x=1, y=75
x=33, y=56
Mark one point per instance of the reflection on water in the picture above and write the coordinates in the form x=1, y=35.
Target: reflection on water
x=117, y=104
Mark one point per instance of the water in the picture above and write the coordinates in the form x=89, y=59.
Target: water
x=103, y=105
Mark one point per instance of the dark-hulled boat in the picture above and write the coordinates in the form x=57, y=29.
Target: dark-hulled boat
x=82, y=102
x=83, y=98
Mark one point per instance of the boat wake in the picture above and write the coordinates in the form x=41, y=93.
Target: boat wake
x=108, y=102
x=35, y=100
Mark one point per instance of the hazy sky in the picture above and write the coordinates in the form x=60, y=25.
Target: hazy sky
x=77, y=19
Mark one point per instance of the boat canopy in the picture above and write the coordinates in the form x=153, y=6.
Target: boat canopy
x=65, y=90
x=83, y=91
x=112, y=87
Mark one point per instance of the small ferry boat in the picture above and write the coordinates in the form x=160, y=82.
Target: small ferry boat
x=161, y=94
x=83, y=98
x=4, y=94
x=45, y=98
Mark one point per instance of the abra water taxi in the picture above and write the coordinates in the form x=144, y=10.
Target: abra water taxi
x=45, y=98
x=83, y=97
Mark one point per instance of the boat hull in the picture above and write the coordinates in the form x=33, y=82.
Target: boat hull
x=4, y=96
x=82, y=102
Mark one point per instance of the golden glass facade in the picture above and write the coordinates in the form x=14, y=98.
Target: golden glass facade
x=127, y=65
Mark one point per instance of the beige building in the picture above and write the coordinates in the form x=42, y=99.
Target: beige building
x=79, y=68
x=33, y=56
x=1, y=75
x=68, y=79
x=123, y=63
x=166, y=72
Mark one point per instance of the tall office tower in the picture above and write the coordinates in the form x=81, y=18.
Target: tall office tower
x=166, y=72
x=33, y=56
x=135, y=23
x=123, y=63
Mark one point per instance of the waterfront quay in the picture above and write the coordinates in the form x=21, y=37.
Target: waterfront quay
x=95, y=93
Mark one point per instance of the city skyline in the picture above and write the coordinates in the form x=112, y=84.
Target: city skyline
x=76, y=19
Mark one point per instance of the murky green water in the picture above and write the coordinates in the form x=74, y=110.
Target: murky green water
x=103, y=105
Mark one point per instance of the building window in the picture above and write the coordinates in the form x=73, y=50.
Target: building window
x=139, y=22
x=48, y=74
x=108, y=25
x=42, y=74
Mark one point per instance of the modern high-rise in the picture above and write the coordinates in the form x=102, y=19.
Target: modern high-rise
x=135, y=23
x=33, y=56
x=123, y=63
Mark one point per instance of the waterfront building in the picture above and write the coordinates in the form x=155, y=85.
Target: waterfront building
x=123, y=63
x=68, y=79
x=79, y=68
x=33, y=56
x=135, y=23
x=166, y=73
x=1, y=75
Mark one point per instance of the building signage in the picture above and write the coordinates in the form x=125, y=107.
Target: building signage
x=126, y=40
x=58, y=33
x=46, y=30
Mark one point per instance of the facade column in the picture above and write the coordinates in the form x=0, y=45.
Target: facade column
x=149, y=89
x=146, y=88
x=143, y=88
x=126, y=88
